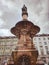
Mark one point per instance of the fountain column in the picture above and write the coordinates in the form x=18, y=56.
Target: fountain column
x=25, y=30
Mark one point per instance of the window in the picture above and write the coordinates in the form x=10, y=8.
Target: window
x=35, y=46
x=44, y=38
x=2, y=48
x=48, y=38
x=40, y=42
x=41, y=50
x=45, y=43
x=41, y=46
x=39, y=38
x=34, y=39
x=43, y=59
x=46, y=47
x=48, y=52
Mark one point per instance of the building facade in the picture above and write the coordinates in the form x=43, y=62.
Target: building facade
x=8, y=44
x=41, y=42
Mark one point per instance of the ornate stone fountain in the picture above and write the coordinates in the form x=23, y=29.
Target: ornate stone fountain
x=25, y=53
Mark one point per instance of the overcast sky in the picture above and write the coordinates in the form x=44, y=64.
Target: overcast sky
x=10, y=14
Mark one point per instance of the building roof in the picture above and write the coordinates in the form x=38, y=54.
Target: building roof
x=9, y=37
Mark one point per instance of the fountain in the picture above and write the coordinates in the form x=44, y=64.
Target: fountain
x=25, y=30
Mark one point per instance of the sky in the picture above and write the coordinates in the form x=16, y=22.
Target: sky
x=10, y=14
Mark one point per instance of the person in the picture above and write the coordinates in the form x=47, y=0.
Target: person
x=5, y=63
